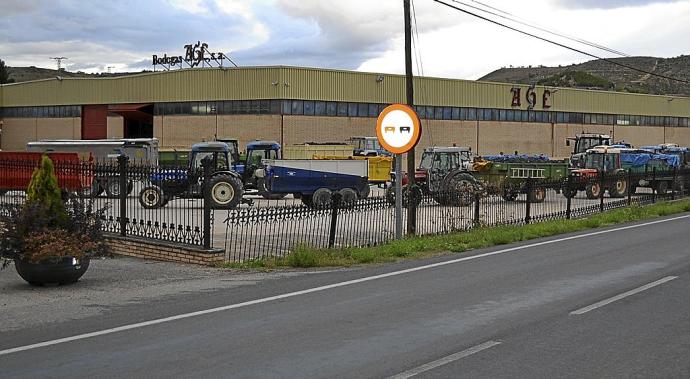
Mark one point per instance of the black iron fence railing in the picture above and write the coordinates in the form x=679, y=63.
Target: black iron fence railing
x=168, y=204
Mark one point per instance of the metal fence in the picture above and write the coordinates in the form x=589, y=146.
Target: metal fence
x=277, y=227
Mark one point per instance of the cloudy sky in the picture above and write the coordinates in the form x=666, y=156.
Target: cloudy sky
x=364, y=35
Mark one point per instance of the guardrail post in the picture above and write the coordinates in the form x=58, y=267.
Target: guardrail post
x=653, y=184
x=569, y=200
x=528, y=186
x=207, y=167
x=602, y=189
x=335, y=203
x=122, y=168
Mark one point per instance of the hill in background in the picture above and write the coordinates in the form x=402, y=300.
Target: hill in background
x=601, y=75
x=25, y=74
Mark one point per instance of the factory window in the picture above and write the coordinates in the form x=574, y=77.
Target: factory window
x=287, y=107
x=298, y=107
x=471, y=114
x=363, y=110
x=438, y=113
x=308, y=108
x=374, y=110
x=455, y=114
x=342, y=109
x=331, y=108
x=352, y=109
x=319, y=108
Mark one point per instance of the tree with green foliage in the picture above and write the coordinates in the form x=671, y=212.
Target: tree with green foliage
x=44, y=191
x=4, y=74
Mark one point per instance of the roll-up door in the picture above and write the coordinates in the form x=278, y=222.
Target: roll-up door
x=94, y=122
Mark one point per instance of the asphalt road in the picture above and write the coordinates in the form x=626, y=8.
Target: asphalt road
x=558, y=307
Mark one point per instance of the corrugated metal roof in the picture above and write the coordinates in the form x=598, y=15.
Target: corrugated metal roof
x=279, y=82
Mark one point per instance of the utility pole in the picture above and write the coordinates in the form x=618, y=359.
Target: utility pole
x=411, y=205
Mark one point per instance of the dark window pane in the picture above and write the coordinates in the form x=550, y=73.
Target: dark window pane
x=297, y=107
x=429, y=113
x=264, y=106
x=463, y=113
x=342, y=109
x=363, y=110
x=524, y=116
x=308, y=108
x=438, y=113
x=472, y=114
x=421, y=111
x=455, y=114
x=503, y=115
x=331, y=109
x=287, y=107
x=495, y=115
x=560, y=117
x=352, y=109
x=320, y=108
x=274, y=107
x=374, y=110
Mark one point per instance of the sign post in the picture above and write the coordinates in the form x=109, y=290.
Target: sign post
x=398, y=130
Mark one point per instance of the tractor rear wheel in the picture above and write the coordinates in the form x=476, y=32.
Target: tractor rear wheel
x=416, y=195
x=460, y=189
x=225, y=192
x=662, y=188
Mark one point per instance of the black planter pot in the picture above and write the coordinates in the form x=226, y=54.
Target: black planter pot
x=66, y=271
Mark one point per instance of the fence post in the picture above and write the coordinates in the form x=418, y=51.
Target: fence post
x=673, y=186
x=207, y=167
x=477, y=199
x=529, y=186
x=335, y=203
x=653, y=184
x=601, y=190
x=630, y=187
x=122, y=168
x=569, y=200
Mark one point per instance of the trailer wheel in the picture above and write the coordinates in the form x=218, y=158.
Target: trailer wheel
x=593, y=190
x=265, y=193
x=348, y=197
x=151, y=197
x=537, y=195
x=225, y=192
x=365, y=193
x=322, y=198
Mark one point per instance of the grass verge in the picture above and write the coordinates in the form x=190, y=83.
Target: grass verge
x=427, y=246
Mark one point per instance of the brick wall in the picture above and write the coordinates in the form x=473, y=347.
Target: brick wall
x=162, y=251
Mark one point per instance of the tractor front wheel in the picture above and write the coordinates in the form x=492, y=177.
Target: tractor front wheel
x=593, y=190
x=151, y=197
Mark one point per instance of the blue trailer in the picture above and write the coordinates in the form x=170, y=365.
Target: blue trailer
x=315, y=181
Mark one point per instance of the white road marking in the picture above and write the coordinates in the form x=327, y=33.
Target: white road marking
x=319, y=289
x=445, y=360
x=622, y=296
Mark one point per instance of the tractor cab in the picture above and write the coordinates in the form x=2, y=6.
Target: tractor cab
x=437, y=162
x=368, y=147
x=584, y=142
x=233, y=150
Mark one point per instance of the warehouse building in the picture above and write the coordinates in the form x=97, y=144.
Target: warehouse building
x=295, y=105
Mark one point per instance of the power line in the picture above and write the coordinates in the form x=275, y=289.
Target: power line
x=560, y=44
x=514, y=18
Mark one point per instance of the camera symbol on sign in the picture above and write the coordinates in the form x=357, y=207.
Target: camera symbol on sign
x=391, y=129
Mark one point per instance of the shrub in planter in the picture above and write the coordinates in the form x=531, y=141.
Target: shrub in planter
x=51, y=240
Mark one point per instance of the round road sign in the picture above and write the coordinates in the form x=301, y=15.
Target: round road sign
x=398, y=128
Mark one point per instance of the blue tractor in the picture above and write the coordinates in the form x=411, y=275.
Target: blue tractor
x=256, y=152
x=225, y=184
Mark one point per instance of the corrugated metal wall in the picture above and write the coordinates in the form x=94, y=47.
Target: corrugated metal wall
x=320, y=84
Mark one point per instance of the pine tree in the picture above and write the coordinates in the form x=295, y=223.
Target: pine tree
x=4, y=74
x=44, y=191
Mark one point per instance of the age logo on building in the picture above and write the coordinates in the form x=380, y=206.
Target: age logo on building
x=398, y=128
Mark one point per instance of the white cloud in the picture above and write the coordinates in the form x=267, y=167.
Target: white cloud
x=191, y=6
x=473, y=48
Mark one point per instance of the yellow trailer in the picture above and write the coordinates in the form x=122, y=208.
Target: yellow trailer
x=379, y=167
x=308, y=151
